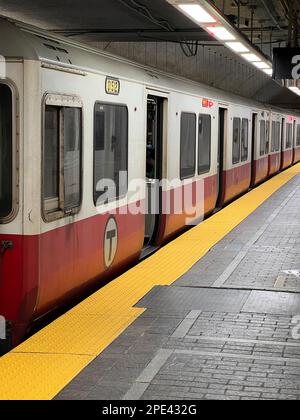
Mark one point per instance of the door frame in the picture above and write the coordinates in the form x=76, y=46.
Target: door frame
x=162, y=130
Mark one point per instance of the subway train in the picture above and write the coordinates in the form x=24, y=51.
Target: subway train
x=71, y=116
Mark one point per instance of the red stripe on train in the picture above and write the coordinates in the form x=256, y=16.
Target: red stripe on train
x=274, y=163
x=42, y=271
x=287, y=158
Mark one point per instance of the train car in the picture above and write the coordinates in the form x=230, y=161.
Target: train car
x=102, y=161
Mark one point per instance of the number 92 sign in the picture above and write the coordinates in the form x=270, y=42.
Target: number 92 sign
x=112, y=86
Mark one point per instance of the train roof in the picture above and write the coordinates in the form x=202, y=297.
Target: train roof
x=18, y=40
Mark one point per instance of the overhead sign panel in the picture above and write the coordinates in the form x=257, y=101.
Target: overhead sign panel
x=286, y=63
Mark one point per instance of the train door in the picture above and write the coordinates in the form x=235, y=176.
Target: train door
x=253, y=148
x=221, y=151
x=154, y=166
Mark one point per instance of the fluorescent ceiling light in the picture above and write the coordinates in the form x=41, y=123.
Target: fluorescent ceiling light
x=251, y=57
x=197, y=12
x=220, y=32
x=269, y=72
x=261, y=65
x=237, y=47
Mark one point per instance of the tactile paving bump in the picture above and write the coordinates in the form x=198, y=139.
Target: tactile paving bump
x=273, y=303
x=174, y=299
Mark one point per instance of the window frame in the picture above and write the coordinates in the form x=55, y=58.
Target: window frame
x=117, y=104
x=237, y=161
x=278, y=137
x=206, y=171
x=182, y=178
x=268, y=129
x=262, y=152
x=298, y=135
x=244, y=159
x=15, y=151
x=288, y=136
x=60, y=101
x=273, y=136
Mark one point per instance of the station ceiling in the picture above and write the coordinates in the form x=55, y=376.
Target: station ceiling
x=265, y=22
x=132, y=20
x=153, y=32
x=106, y=20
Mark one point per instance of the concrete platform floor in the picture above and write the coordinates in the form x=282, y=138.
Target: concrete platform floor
x=227, y=329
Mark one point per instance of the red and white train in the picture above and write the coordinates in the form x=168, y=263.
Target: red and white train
x=70, y=116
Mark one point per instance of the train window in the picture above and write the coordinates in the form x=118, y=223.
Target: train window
x=278, y=136
x=289, y=136
x=267, y=137
x=262, y=138
x=110, y=152
x=245, y=140
x=204, y=144
x=6, y=152
x=298, y=136
x=187, y=145
x=62, y=159
x=51, y=152
x=72, y=157
x=273, y=136
x=236, y=144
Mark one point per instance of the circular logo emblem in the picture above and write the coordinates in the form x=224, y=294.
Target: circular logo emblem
x=110, y=241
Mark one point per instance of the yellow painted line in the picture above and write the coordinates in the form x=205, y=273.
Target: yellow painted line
x=44, y=364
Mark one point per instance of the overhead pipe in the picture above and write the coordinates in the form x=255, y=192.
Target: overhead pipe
x=268, y=5
x=252, y=22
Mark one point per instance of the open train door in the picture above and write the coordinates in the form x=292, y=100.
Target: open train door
x=157, y=107
x=13, y=311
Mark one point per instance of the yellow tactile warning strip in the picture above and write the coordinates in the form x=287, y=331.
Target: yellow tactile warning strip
x=43, y=365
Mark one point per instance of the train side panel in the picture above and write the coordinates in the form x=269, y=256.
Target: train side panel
x=192, y=198
x=260, y=164
x=275, y=144
x=237, y=163
x=76, y=243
